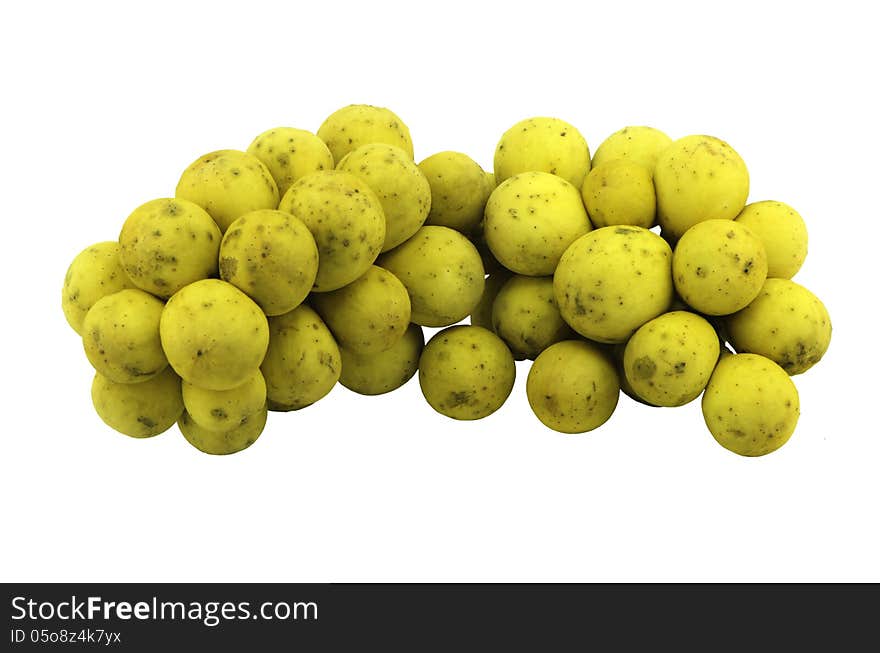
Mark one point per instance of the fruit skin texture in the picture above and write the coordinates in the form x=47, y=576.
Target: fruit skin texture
x=224, y=410
x=399, y=184
x=546, y=145
x=620, y=192
x=228, y=184
x=376, y=374
x=442, y=272
x=466, y=372
x=272, y=257
x=669, y=360
x=139, y=410
x=616, y=354
x=368, y=315
x=751, y=405
x=95, y=273
x=481, y=315
x=302, y=363
x=350, y=127
x=613, y=280
x=166, y=244
x=526, y=318
x=346, y=221
x=640, y=144
x=699, y=178
x=782, y=231
x=121, y=336
x=786, y=323
x=214, y=335
x=289, y=154
x=530, y=221
x=573, y=387
x=221, y=443
x=719, y=266
x=459, y=191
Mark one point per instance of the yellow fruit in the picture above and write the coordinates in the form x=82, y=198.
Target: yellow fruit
x=669, y=360
x=613, y=280
x=228, y=184
x=531, y=219
x=302, y=363
x=214, y=335
x=620, y=192
x=573, y=387
x=289, y=154
x=350, y=127
x=719, y=266
x=442, y=272
x=641, y=145
x=225, y=410
x=166, y=244
x=375, y=374
x=121, y=336
x=346, y=221
x=466, y=372
x=95, y=273
x=459, y=191
x=786, y=323
x=139, y=410
x=543, y=145
x=782, y=231
x=751, y=405
x=399, y=184
x=272, y=257
x=526, y=318
x=699, y=178
x=368, y=315
x=221, y=443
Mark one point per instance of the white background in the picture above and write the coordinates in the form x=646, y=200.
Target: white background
x=105, y=105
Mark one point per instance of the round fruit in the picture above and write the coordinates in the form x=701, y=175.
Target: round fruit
x=782, y=231
x=376, y=374
x=620, y=192
x=350, y=127
x=228, y=184
x=346, y=220
x=459, y=191
x=641, y=145
x=573, y=387
x=530, y=221
x=719, y=266
x=302, y=363
x=272, y=257
x=442, y=272
x=166, y=244
x=466, y=372
x=214, y=335
x=669, y=360
x=139, y=410
x=543, y=145
x=613, y=280
x=234, y=440
x=399, y=184
x=699, y=178
x=289, y=154
x=750, y=405
x=786, y=323
x=121, y=336
x=95, y=273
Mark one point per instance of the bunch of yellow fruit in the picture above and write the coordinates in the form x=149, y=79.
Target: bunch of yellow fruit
x=309, y=259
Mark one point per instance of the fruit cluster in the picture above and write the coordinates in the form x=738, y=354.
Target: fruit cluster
x=312, y=259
